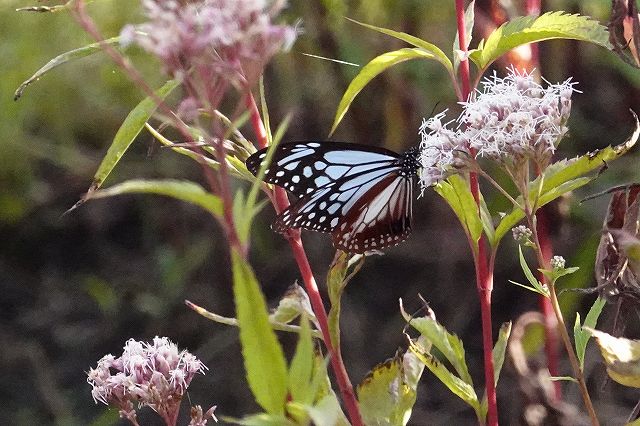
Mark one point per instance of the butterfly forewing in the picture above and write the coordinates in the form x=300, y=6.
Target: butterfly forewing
x=303, y=167
x=379, y=219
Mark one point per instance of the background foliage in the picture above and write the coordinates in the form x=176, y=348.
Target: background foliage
x=76, y=287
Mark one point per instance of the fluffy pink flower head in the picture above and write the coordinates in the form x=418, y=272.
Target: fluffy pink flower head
x=189, y=33
x=515, y=118
x=153, y=374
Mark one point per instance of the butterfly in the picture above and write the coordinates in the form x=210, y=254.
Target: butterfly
x=362, y=195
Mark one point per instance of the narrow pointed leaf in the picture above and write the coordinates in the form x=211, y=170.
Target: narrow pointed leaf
x=498, y=354
x=301, y=370
x=530, y=29
x=61, y=59
x=565, y=175
x=582, y=336
x=370, y=71
x=179, y=189
x=127, y=132
x=264, y=360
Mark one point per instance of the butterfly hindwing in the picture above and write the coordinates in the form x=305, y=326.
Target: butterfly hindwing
x=303, y=167
x=380, y=218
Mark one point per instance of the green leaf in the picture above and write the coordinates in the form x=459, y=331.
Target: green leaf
x=262, y=419
x=127, y=132
x=371, y=70
x=581, y=335
x=63, y=59
x=414, y=41
x=455, y=384
x=294, y=303
x=530, y=29
x=535, y=284
x=327, y=412
x=564, y=176
x=449, y=344
x=487, y=221
x=469, y=17
x=179, y=189
x=301, y=369
x=498, y=355
x=341, y=271
x=384, y=396
x=264, y=360
x=455, y=190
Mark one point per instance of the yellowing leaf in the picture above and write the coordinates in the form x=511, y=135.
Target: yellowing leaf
x=621, y=356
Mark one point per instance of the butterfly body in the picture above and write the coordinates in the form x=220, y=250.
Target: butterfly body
x=362, y=195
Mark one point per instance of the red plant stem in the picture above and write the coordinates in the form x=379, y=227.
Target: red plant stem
x=281, y=202
x=483, y=262
x=551, y=343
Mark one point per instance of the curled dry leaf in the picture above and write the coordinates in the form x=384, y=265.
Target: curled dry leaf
x=615, y=278
x=540, y=406
x=621, y=357
x=624, y=30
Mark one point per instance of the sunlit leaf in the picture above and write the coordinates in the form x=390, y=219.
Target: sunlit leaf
x=581, y=335
x=327, y=412
x=61, y=59
x=621, y=357
x=455, y=190
x=264, y=360
x=262, y=419
x=179, y=189
x=301, y=369
x=127, y=132
x=564, y=176
x=530, y=29
x=384, y=395
x=370, y=71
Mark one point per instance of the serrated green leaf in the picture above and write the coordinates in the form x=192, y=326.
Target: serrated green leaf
x=179, y=189
x=63, y=59
x=455, y=190
x=563, y=176
x=582, y=336
x=385, y=396
x=530, y=29
x=128, y=131
x=264, y=360
x=301, y=369
x=455, y=384
x=449, y=344
x=370, y=71
x=414, y=41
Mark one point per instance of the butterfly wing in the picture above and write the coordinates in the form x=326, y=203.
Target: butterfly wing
x=304, y=167
x=322, y=209
x=380, y=218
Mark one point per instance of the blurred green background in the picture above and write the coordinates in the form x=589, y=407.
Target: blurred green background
x=75, y=287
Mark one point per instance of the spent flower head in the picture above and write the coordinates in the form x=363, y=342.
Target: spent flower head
x=152, y=374
x=210, y=33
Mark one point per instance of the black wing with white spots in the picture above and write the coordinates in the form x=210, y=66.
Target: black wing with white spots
x=303, y=167
x=361, y=194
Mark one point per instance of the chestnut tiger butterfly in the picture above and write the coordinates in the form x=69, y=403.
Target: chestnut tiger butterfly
x=362, y=195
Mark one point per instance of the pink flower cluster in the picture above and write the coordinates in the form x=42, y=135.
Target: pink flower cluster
x=191, y=32
x=153, y=374
x=511, y=121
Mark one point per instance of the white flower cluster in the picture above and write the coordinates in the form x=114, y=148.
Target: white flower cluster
x=184, y=33
x=150, y=374
x=514, y=119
